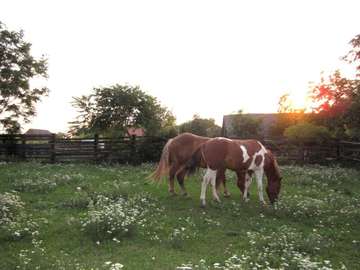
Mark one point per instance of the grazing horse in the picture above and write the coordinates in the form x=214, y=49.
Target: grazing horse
x=245, y=157
x=176, y=153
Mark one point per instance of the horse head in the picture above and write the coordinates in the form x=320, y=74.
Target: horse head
x=273, y=175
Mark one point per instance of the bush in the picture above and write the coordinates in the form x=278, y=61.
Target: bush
x=307, y=133
x=41, y=185
x=110, y=218
x=10, y=208
x=14, y=223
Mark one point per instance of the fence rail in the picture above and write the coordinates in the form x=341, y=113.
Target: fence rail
x=51, y=149
x=136, y=150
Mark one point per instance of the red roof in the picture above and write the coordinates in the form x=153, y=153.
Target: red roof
x=136, y=131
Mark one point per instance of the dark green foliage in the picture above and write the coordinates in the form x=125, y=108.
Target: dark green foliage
x=17, y=68
x=201, y=126
x=285, y=120
x=307, y=133
x=287, y=116
x=149, y=149
x=109, y=111
x=246, y=126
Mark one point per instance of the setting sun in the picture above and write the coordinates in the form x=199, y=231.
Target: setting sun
x=300, y=101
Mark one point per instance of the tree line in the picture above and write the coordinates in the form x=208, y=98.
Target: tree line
x=109, y=111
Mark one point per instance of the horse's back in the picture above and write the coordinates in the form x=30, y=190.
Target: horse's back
x=184, y=145
x=221, y=152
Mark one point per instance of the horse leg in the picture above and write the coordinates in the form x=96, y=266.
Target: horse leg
x=220, y=178
x=206, y=179
x=180, y=178
x=213, y=185
x=171, y=180
x=248, y=180
x=241, y=183
x=259, y=176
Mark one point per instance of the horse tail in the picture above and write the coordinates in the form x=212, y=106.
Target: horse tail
x=164, y=164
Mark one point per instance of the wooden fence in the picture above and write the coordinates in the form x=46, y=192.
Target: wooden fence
x=51, y=149
x=136, y=150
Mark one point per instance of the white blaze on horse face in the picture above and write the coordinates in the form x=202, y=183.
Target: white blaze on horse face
x=245, y=153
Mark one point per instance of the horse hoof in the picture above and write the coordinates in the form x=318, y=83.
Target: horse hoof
x=172, y=193
x=185, y=194
x=202, y=203
x=227, y=195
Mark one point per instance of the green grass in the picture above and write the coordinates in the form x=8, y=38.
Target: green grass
x=315, y=225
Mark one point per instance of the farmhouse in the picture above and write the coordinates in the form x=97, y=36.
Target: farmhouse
x=38, y=132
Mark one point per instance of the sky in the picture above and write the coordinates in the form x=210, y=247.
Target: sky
x=203, y=57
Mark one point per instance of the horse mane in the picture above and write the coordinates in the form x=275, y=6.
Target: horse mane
x=271, y=165
x=164, y=164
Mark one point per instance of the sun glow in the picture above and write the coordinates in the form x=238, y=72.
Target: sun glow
x=297, y=102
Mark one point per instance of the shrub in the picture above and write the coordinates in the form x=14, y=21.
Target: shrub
x=41, y=185
x=307, y=133
x=111, y=218
x=10, y=207
x=285, y=248
x=13, y=220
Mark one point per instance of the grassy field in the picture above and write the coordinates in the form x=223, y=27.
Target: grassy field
x=111, y=217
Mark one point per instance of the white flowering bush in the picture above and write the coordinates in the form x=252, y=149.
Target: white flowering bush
x=186, y=231
x=41, y=185
x=14, y=222
x=284, y=248
x=10, y=207
x=287, y=248
x=111, y=218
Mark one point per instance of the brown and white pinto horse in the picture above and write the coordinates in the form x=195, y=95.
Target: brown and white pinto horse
x=245, y=157
x=176, y=153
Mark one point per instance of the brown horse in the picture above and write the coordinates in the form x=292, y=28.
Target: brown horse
x=245, y=157
x=176, y=153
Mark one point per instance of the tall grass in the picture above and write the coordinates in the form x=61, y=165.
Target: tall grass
x=112, y=217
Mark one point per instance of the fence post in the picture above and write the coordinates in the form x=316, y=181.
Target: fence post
x=302, y=154
x=96, y=148
x=133, y=149
x=52, y=148
x=23, y=147
x=338, y=150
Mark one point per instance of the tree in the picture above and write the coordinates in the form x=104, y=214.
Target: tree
x=303, y=133
x=111, y=110
x=338, y=104
x=287, y=116
x=246, y=126
x=201, y=127
x=353, y=56
x=17, y=68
